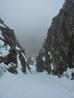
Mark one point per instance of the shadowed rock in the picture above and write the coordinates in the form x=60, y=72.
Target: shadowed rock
x=10, y=49
x=58, y=47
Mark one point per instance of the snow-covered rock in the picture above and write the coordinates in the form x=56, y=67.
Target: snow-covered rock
x=69, y=73
x=9, y=48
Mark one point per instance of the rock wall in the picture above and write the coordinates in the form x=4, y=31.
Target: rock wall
x=11, y=52
x=58, y=47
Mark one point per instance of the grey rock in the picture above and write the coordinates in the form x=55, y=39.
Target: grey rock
x=59, y=42
x=12, y=47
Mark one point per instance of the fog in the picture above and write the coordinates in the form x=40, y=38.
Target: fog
x=30, y=20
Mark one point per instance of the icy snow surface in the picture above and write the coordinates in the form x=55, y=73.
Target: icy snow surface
x=35, y=85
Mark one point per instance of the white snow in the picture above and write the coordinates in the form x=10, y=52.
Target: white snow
x=17, y=48
x=52, y=66
x=1, y=43
x=50, y=54
x=1, y=34
x=4, y=51
x=3, y=68
x=69, y=72
x=35, y=85
x=2, y=25
x=19, y=64
x=43, y=58
x=24, y=56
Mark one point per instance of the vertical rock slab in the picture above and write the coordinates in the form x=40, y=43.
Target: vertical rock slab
x=58, y=48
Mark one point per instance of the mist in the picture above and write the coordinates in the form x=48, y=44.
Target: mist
x=30, y=20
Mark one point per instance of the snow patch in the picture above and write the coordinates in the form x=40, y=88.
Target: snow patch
x=43, y=58
x=1, y=43
x=50, y=54
x=4, y=51
x=3, y=68
x=69, y=72
x=52, y=66
x=17, y=48
x=19, y=64
x=1, y=34
x=2, y=25
x=24, y=57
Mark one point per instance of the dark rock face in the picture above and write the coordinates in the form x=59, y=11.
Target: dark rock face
x=58, y=47
x=10, y=48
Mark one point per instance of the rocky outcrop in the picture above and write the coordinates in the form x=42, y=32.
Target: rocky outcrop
x=57, y=52
x=11, y=52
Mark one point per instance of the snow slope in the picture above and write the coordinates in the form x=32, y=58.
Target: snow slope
x=35, y=85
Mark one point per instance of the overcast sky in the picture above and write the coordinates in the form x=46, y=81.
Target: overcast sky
x=30, y=19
